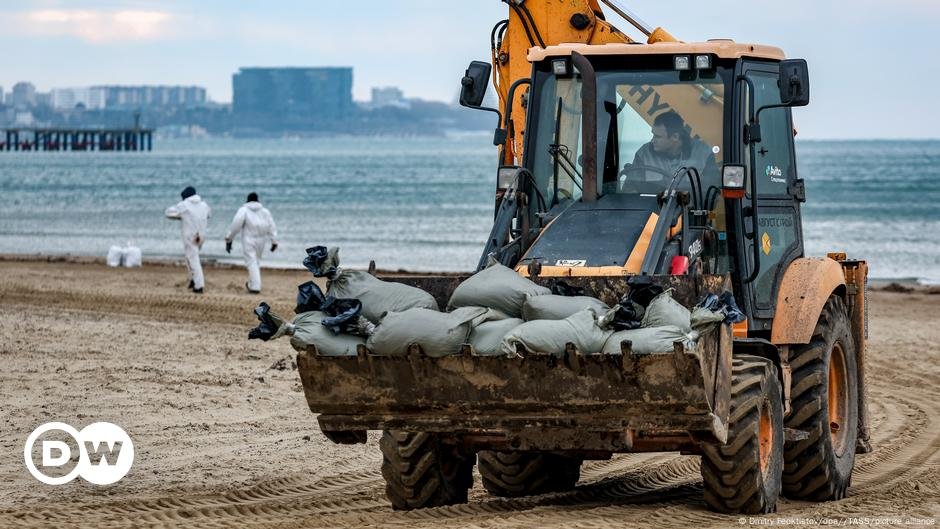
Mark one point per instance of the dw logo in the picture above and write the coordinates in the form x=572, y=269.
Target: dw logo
x=105, y=453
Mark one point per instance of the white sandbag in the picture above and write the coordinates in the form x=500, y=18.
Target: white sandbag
x=551, y=336
x=487, y=336
x=497, y=287
x=377, y=296
x=650, y=340
x=132, y=257
x=664, y=310
x=437, y=333
x=115, y=256
x=307, y=330
x=552, y=307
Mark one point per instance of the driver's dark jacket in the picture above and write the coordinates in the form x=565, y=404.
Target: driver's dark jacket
x=697, y=155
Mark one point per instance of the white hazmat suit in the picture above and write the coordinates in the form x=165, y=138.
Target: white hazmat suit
x=194, y=214
x=256, y=226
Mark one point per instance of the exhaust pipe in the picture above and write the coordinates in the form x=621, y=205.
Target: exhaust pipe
x=588, y=126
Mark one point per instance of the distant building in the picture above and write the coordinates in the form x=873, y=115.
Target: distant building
x=298, y=95
x=388, y=97
x=43, y=99
x=1, y=95
x=23, y=95
x=133, y=97
x=71, y=98
x=24, y=118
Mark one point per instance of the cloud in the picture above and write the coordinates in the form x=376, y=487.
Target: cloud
x=96, y=26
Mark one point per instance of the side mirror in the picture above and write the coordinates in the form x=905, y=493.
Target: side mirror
x=794, y=83
x=473, y=89
x=474, y=84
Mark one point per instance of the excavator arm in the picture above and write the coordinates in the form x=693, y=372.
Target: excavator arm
x=543, y=23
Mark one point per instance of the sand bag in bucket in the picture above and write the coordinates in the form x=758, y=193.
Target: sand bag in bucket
x=437, y=333
x=663, y=311
x=496, y=287
x=551, y=336
x=486, y=337
x=308, y=329
x=650, y=340
x=377, y=296
x=554, y=307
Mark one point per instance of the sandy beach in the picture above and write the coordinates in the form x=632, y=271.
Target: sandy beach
x=223, y=436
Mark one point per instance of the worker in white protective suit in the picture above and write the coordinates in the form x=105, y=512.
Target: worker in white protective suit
x=256, y=225
x=194, y=214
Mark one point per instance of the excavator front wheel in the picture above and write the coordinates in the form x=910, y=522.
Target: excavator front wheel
x=420, y=471
x=514, y=474
x=824, y=402
x=742, y=476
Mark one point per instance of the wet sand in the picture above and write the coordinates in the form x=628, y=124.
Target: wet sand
x=223, y=436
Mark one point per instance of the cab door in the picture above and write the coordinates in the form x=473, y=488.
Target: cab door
x=776, y=228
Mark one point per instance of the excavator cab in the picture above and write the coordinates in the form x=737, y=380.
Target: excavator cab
x=664, y=159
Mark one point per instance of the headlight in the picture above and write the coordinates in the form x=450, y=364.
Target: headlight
x=703, y=62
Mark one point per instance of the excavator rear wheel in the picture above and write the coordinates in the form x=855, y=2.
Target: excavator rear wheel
x=743, y=475
x=514, y=474
x=824, y=402
x=420, y=471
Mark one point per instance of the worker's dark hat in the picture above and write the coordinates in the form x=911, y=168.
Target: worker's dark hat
x=188, y=192
x=252, y=197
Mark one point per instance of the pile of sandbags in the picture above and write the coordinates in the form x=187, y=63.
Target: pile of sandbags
x=497, y=312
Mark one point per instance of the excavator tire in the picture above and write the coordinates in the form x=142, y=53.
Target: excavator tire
x=515, y=474
x=824, y=404
x=743, y=475
x=420, y=471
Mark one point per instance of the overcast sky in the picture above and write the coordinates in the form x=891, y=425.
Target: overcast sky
x=874, y=63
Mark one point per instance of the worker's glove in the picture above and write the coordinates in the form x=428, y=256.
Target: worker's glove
x=273, y=246
x=228, y=246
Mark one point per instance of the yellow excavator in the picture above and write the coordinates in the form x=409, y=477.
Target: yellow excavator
x=625, y=164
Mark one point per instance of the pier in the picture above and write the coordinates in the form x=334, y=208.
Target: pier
x=69, y=139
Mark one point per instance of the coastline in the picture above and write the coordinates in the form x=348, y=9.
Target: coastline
x=899, y=285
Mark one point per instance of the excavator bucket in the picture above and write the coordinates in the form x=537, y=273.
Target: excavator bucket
x=533, y=401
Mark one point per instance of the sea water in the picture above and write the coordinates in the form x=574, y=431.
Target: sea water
x=423, y=204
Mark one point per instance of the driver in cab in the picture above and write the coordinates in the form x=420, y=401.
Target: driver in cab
x=671, y=148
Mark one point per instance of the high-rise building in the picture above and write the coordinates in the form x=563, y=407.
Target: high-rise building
x=70, y=98
x=293, y=94
x=133, y=97
x=388, y=97
x=23, y=95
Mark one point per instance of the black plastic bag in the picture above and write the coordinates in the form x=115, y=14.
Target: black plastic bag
x=310, y=298
x=724, y=304
x=562, y=288
x=642, y=290
x=320, y=262
x=268, y=326
x=342, y=316
x=628, y=315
